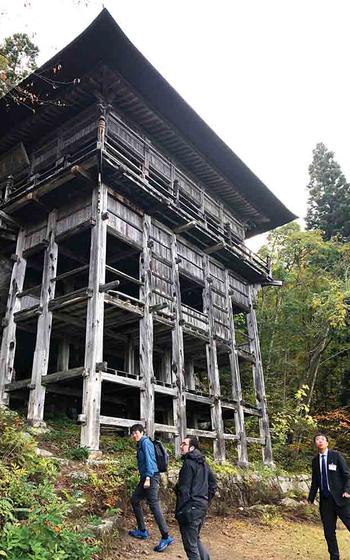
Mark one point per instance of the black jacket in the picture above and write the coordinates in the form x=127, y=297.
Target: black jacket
x=196, y=485
x=338, y=479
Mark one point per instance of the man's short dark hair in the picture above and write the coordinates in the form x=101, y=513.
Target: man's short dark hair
x=137, y=428
x=321, y=434
x=193, y=441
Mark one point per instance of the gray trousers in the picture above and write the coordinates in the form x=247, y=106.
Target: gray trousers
x=151, y=496
x=190, y=534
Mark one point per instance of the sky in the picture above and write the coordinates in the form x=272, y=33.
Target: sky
x=269, y=76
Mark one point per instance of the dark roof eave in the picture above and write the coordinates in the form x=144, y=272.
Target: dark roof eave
x=123, y=56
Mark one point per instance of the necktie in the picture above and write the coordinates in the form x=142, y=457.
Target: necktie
x=324, y=482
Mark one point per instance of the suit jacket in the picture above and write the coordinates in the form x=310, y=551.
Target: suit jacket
x=338, y=479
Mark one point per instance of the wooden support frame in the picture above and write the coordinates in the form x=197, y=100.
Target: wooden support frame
x=36, y=404
x=236, y=382
x=178, y=354
x=8, y=343
x=213, y=369
x=90, y=432
x=146, y=332
x=259, y=383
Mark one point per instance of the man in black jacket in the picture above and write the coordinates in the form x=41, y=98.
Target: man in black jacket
x=331, y=476
x=195, y=489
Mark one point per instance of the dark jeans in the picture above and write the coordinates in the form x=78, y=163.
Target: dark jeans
x=329, y=511
x=151, y=495
x=190, y=533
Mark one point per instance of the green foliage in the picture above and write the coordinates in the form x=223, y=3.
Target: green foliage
x=329, y=196
x=33, y=517
x=77, y=453
x=18, y=56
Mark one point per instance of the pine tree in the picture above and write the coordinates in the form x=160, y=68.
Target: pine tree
x=329, y=196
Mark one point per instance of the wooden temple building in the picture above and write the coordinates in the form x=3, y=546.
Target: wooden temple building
x=132, y=290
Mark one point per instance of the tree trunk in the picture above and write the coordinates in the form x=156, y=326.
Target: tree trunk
x=315, y=363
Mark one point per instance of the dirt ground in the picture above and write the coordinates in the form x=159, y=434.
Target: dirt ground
x=237, y=539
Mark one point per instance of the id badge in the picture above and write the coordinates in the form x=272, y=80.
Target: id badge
x=332, y=467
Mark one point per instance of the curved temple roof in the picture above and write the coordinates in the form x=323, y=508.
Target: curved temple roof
x=104, y=43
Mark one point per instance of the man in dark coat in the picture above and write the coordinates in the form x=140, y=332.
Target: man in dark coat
x=331, y=476
x=195, y=489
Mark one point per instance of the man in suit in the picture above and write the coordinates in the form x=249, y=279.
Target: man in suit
x=331, y=476
x=195, y=489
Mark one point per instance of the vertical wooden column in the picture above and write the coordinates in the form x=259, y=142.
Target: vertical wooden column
x=189, y=375
x=63, y=354
x=166, y=373
x=212, y=368
x=236, y=382
x=146, y=332
x=129, y=356
x=8, y=343
x=90, y=432
x=178, y=353
x=258, y=376
x=44, y=325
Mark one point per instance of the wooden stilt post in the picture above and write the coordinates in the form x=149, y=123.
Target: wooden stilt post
x=213, y=369
x=236, y=383
x=8, y=344
x=259, y=383
x=43, y=336
x=63, y=354
x=166, y=371
x=129, y=356
x=90, y=432
x=178, y=353
x=146, y=332
x=189, y=374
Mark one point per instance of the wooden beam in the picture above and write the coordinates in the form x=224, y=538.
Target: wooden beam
x=70, y=273
x=8, y=344
x=215, y=248
x=123, y=275
x=259, y=383
x=146, y=333
x=120, y=380
x=213, y=368
x=9, y=220
x=178, y=352
x=186, y=227
x=118, y=422
x=90, y=433
x=201, y=433
x=236, y=381
x=63, y=375
x=36, y=403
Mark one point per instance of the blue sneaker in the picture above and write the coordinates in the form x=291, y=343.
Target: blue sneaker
x=138, y=534
x=163, y=544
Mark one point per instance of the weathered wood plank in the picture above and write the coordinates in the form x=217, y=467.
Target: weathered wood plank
x=259, y=383
x=146, y=332
x=8, y=343
x=213, y=369
x=236, y=382
x=90, y=432
x=36, y=403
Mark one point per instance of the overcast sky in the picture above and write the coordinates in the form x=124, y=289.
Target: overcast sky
x=271, y=77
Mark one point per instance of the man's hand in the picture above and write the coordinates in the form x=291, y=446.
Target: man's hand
x=346, y=495
x=147, y=483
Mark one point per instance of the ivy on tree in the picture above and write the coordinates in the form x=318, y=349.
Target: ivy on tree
x=329, y=196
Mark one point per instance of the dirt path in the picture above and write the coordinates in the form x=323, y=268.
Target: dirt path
x=235, y=539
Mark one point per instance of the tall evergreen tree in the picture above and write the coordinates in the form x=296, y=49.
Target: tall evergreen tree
x=18, y=56
x=329, y=196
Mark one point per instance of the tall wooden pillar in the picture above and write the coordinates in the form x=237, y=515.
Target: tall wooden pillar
x=146, y=332
x=129, y=356
x=189, y=375
x=90, y=433
x=213, y=369
x=236, y=382
x=8, y=343
x=178, y=353
x=259, y=383
x=44, y=325
x=63, y=354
